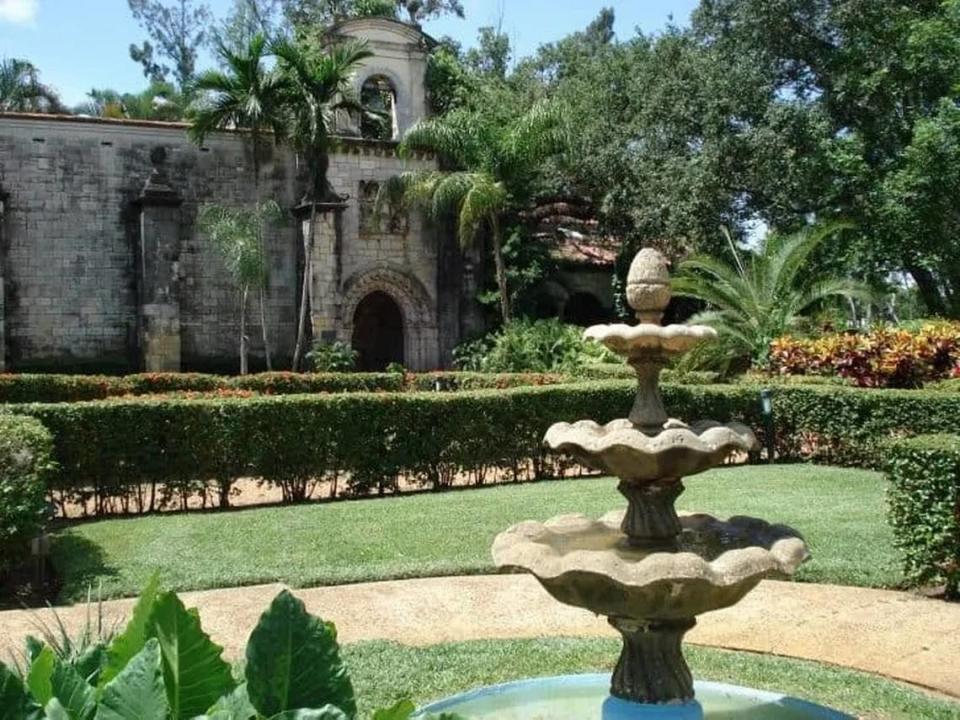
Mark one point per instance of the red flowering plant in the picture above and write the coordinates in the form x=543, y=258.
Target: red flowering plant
x=884, y=357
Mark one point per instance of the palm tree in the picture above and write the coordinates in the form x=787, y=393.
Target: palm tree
x=495, y=169
x=761, y=297
x=238, y=234
x=243, y=96
x=316, y=84
x=22, y=91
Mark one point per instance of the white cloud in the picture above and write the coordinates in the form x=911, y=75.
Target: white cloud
x=21, y=12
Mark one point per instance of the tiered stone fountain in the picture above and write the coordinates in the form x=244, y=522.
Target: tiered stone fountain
x=648, y=569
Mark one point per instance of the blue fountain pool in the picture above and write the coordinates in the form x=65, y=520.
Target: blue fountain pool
x=586, y=697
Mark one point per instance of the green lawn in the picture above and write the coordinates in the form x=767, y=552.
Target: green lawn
x=840, y=512
x=385, y=672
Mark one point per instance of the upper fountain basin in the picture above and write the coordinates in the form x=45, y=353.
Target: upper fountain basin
x=586, y=563
x=620, y=448
x=647, y=338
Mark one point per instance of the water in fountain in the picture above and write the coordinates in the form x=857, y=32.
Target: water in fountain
x=648, y=569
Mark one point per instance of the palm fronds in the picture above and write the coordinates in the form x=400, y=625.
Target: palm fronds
x=761, y=296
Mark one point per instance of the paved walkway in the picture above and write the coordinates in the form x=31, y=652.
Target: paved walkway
x=889, y=633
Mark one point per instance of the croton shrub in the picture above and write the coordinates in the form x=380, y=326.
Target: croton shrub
x=163, y=666
x=884, y=357
x=924, y=507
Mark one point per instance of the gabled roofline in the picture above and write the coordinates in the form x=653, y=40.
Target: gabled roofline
x=413, y=32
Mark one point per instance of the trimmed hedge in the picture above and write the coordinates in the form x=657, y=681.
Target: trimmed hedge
x=138, y=453
x=924, y=507
x=26, y=467
x=43, y=388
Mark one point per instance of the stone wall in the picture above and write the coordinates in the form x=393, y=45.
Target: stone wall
x=73, y=260
x=71, y=231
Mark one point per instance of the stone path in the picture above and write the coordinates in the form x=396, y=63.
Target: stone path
x=890, y=633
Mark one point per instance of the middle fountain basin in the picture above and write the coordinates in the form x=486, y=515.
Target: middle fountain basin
x=587, y=563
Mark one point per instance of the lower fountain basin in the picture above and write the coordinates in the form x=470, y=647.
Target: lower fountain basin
x=585, y=697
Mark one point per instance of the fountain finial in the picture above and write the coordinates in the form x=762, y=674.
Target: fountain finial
x=648, y=285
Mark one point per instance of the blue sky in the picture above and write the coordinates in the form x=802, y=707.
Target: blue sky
x=80, y=44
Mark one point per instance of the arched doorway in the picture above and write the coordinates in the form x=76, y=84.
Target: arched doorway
x=584, y=309
x=377, y=332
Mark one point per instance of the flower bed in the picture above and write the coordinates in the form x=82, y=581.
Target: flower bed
x=881, y=358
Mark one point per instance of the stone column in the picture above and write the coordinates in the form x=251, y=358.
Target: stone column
x=326, y=278
x=158, y=280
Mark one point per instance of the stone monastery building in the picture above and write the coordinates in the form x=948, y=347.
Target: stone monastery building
x=103, y=267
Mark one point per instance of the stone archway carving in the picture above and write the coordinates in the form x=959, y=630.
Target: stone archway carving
x=421, y=340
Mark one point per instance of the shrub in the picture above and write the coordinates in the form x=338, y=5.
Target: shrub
x=26, y=466
x=894, y=358
x=126, y=451
x=924, y=507
x=539, y=346
x=293, y=669
x=332, y=357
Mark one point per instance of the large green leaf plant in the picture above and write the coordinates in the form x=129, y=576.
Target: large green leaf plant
x=163, y=666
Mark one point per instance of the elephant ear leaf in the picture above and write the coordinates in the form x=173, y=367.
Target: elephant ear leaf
x=235, y=706
x=293, y=661
x=40, y=674
x=14, y=702
x=194, y=673
x=134, y=636
x=137, y=693
x=77, y=697
x=55, y=711
x=327, y=712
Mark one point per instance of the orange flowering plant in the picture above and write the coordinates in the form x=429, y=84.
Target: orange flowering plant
x=883, y=357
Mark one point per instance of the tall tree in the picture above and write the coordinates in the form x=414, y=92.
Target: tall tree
x=243, y=96
x=496, y=166
x=245, y=20
x=22, y=91
x=178, y=29
x=306, y=13
x=238, y=235
x=315, y=84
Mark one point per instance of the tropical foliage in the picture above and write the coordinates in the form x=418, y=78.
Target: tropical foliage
x=160, y=101
x=163, y=666
x=883, y=357
x=540, y=346
x=238, y=236
x=495, y=168
x=761, y=295
x=26, y=466
x=22, y=91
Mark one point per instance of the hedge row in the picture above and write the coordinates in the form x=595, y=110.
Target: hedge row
x=924, y=507
x=26, y=468
x=146, y=451
x=44, y=388
x=142, y=452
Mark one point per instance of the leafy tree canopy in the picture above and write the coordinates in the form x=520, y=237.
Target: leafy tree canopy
x=177, y=30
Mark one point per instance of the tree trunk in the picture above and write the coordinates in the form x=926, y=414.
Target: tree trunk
x=501, y=270
x=928, y=288
x=263, y=330
x=244, y=342
x=298, y=349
